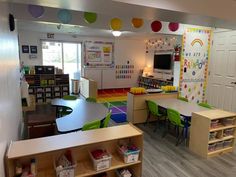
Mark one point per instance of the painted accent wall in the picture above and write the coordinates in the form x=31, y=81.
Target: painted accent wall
x=10, y=101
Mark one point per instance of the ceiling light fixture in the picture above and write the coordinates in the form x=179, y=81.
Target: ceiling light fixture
x=116, y=33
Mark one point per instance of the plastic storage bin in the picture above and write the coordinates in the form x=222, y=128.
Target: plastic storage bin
x=211, y=147
x=228, y=143
x=129, y=157
x=101, y=164
x=219, y=145
x=228, y=132
x=214, y=123
x=65, y=171
x=228, y=121
x=212, y=135
x=49, y=69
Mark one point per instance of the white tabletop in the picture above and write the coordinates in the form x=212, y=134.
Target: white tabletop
x=184, y=108
x=82, y=113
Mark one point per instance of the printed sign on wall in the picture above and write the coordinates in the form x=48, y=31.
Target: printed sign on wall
x=98, y=54
x=194, y=64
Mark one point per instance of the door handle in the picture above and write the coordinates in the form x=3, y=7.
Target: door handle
x=233, y=82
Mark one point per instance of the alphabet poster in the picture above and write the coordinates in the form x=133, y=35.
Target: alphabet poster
x=98, y=54
x=194, y=64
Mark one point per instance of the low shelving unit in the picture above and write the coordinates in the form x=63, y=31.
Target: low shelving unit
x=44, y=150
x=212, y=132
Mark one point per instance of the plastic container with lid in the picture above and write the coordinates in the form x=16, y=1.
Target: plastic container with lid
x=101, y=163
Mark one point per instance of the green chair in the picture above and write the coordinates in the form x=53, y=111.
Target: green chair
x=64, y=110
x=153, y=110
x=90, y=99
x=205, y=105
x=106, y=121
x=69, y=97
x=174, y=118
x=183, y=98
x=92, y=125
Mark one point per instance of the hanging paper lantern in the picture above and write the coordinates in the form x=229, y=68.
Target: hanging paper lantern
x=173, y=26
x=36, y=11
x=90, y=17
x=116, y=24
x=64, y=16
x=137, y=22
x=156, y=26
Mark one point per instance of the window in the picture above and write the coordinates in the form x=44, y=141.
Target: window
x=63, y=55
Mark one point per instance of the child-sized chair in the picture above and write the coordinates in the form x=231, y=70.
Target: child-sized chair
x=205, y=105
x=174, y=118
x=92, y=125
x=153, y=110
x=90, y=99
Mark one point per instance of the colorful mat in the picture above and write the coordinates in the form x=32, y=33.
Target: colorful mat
x=112, y=95
x=118, y=109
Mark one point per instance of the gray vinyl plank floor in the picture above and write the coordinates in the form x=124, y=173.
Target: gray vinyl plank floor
x=161, y=158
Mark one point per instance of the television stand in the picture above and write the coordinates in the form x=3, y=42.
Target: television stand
x=152, y=83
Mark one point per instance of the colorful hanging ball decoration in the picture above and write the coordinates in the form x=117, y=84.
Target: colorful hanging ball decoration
x=156, y=26
x=90, y=17
x=137, y=22
x=173, y=26
x=116, y=24
x=64, y=16
x=36, y=11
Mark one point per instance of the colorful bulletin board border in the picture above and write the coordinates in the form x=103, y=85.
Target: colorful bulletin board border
x=194, y=64
x=124, y=71
x=98, y=54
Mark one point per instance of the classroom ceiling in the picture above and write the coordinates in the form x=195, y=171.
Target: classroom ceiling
x=163, y=10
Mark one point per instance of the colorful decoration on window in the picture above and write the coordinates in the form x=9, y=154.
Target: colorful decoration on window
x=194, y=64
x=36, y=11
x=173, y=26
x=137, y=22
x=90, y=17
x=116, y=24
x=64, y=16
x=156, y=26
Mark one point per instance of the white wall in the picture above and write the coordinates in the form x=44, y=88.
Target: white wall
x=10, y=108
x=131, y=50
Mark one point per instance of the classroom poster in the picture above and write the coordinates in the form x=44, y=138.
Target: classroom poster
x=98, y=54
x=194, y=64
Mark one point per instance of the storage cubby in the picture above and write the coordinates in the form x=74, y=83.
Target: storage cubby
x=43, y=85
x=212, y=132
x=44, y=150
x=149, y=82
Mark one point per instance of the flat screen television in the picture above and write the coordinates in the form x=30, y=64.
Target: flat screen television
x=162, y=61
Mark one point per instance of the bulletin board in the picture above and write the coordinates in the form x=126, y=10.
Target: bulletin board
x=124, y=71
x=194, y=64
x=98, y=54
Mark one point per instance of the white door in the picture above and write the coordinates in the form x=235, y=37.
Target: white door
x=221, y=91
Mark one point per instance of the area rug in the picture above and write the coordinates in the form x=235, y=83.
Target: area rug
x=118, y=109
x=112, y=95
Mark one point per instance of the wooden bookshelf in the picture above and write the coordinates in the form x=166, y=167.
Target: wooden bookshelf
x=202, y=128
x=48, y=86
x=45, y=149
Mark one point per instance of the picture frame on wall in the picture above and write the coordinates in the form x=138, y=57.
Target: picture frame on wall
x=33, y=49
x=25, y=48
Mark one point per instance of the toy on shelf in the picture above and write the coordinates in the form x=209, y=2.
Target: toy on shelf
x=137, y=90
x=65, y=165
x=123, y=173
x=169, y=88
